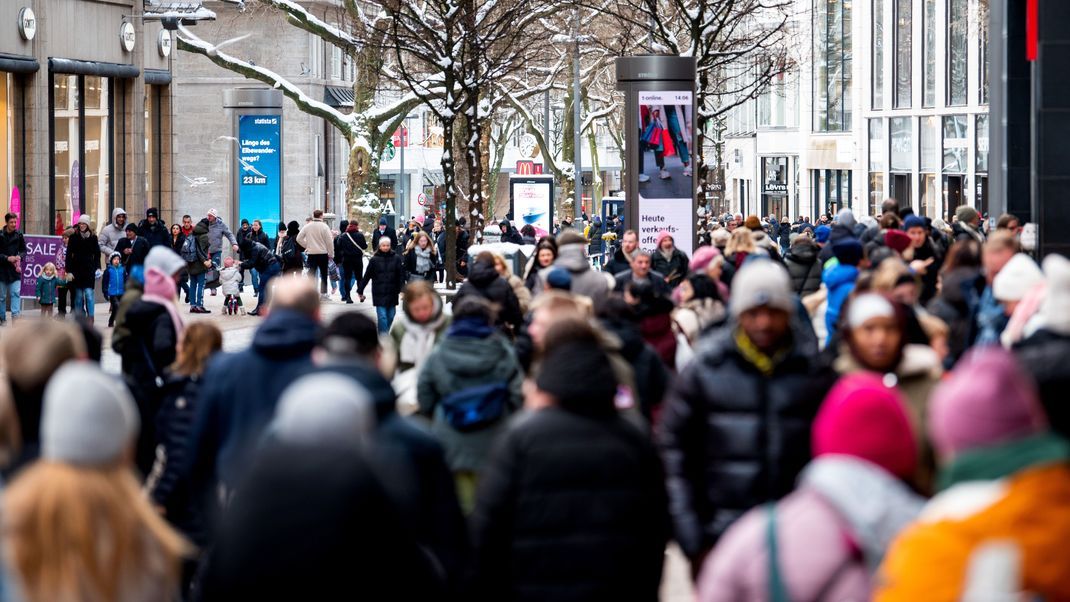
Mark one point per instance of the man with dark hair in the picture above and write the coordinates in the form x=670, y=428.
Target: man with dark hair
x=133, y=249
x=642, y=271
x=187, y=225
x=318, y=243
x=153, y=229
x=13, y=248
x=240, y=391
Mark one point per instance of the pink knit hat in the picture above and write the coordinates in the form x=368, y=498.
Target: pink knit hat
x=987, y=400
x=702, y=258
x=662, y=236
x=861, y=417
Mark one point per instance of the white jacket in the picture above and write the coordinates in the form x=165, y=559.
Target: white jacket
x=316, y=238
x=229, y=279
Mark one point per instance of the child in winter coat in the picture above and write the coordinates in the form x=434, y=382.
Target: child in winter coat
x=230, y=280
x=46, y=289
x=386, y=272
x=113, y=285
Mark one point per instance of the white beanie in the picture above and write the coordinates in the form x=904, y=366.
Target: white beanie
x=324, y=408
x=867, y=306
x=84, y=219
x=212, y=212
x=164, y=259
x=89, y=417
x=1055, y=309
x=761, y=282
x=1016, y=279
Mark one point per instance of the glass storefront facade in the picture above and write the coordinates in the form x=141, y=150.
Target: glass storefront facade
x=775, y=186
x=82, y=157
x=12, y=137
x=832, y=65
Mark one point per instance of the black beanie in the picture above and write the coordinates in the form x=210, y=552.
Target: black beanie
x=131, y=228
x=578, y=374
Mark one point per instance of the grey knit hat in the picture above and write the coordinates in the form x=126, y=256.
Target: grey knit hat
x=89, y=417
x=324, y=408
x=761, y=282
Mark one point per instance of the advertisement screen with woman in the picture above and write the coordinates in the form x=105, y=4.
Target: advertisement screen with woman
x=666, y=184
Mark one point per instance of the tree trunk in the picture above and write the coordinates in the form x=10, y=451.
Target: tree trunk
x=474, y=162
x=699, y=123
x=596, y=172
x=449, y=221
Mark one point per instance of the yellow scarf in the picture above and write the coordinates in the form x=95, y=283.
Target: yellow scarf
x=756, y=357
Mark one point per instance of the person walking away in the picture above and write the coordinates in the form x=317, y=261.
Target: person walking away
x=153, y=229
x=217, y=231
x=590, y=473
x=349, y=250
x=1043, y=354
x=113, y=285
x=45, y=291
x=803, y=266
x=113, y=232
x=82, y=263
x=418, y=328
x=134, y=250
x=291, y=253
x=164, y=487
x=264, y=262
x=1004, y=477
x=178, y=239
x=318, y=243
x=467, y=387
x=195, y=252
x=386, y=272
x=155, y=329
x=840, y=281
x=669, y=261
x=230, y=282
x=420, y=258
x=103, y=540
x=776, y=387
x=826, y=539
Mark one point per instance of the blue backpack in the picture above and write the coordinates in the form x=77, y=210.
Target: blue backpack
x=475, y=408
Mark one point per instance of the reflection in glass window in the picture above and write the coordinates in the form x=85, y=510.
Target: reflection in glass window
x=96, y=150
x=878, y=54
x=982, y=41
x=930, y=203
x=928, y=53
x=930, y=142
x=903, y=41
x=832, y=72
x=982, y=144
x=82, y=167
x=901, y=144
x=955, y=144
x=776, y=106
x=876, y=145
x=66, y=148
x=957, y=36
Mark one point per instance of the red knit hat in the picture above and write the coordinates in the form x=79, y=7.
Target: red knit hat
x=897, y=239
x=861, y=417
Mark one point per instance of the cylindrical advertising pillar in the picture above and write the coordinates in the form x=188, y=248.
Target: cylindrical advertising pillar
x=660, y=144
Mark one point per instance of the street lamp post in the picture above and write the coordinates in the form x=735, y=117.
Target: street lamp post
x=578, y=152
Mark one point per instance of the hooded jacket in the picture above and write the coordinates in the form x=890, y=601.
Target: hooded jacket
x=111, y=234
x=840, y=281
x=571, y=508
x=484, y=281
x=386, y=272
x=113, y=281
x=238, y=396
x=585, y=281
x=510, y=234
x=804, y=268
x=732, y=438
x=414, y=341
x=463, y=360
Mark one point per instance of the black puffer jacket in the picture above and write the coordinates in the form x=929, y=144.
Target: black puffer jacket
x=651, y=376
x=386, y=272
x=146, y=356
x=12, y=244
x=83, y=259
x=165, y=486
x=804, y=268
x=732, y=438
x=155, y=234
x=675, y=268
x=1044, y=356
x=257, y=256
x=571, y=508
x=960, y=293
x=484, y=281
x=618, y=264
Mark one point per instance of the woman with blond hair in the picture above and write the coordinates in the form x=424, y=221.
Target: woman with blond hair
x=421, y=256
x=76, y=527
x=199, y=342
x=739, y=248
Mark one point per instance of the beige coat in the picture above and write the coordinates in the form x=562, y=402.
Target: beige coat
x=316, y=238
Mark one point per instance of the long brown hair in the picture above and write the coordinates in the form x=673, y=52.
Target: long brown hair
x=75, y=533
x=199, y=341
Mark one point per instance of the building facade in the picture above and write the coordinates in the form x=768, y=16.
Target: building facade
x=85, y=111
x=889, y=101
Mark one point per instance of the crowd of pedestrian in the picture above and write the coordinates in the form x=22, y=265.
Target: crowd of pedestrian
x=853, y=409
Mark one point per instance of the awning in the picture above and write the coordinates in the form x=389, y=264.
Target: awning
x=13, y=63
x=157, y=77
x=92, y=68
x=338, y=97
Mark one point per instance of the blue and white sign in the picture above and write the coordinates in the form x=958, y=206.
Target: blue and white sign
x=260, y=169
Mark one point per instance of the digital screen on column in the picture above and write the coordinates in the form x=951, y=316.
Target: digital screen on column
x=260, y=169
x=664, y=164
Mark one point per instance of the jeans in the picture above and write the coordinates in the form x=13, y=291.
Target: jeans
x=196, y=290
x=183, y=285
x=255, y=275
x=384, y=317
x=265, y=291
x=352, y=271
x=83, y=303
x=319, y=262
x=10, y=291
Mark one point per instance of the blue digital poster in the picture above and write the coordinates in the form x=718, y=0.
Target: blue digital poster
x=260, y=170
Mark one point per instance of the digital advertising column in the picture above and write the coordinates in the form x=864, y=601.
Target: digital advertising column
x=660, y=102
x=260, y=169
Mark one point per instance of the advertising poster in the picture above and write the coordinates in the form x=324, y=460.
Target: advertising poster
x=533, y=203
x=666, y=181
x=260, y=169
x=39, y=251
